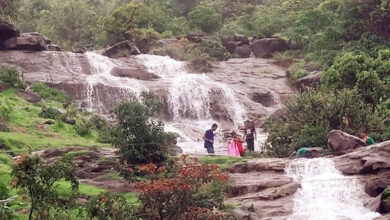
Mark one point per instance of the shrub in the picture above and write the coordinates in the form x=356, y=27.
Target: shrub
x=206, y=19
x=32, y=174
x=193, y=185
x=214, y=49
x=49, y=93
x=297, y=70
x=5, y=116
x=12, y=78
x=139, y=138
x=107, y=206
x=83, y=126
x=311, y=115
x=50, y=112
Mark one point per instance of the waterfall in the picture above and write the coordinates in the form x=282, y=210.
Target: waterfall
x=326, y=194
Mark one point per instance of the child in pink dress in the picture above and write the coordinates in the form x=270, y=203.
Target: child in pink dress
x=233, y=146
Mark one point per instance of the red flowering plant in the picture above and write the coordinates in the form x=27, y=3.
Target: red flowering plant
x=191, y=184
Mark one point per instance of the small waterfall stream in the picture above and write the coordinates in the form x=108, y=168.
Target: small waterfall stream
x=325, y=193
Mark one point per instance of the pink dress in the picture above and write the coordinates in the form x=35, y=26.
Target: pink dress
x=233, y=149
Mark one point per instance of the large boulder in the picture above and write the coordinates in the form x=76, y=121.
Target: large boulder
x=155, y=45
x=310, y=81
x=243, y=51
x=377, y=184
x=266, y=98
x=29, y=96
x=121, y=49
x=7, y=31
x=27, y=41
x=341, y=142
x=264, y=48
x=365, y=160
x=198, y=38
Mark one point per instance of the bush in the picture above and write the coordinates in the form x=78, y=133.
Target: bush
x=50, y=112
x=214, y=49
x=206, y=19
x=193, y=185
x=139, y=138
x=311, y=115
x=49, y=93
x=107, y=206
x=297, y=71
x=5, y=116
x=83, y=126
x=11, y=78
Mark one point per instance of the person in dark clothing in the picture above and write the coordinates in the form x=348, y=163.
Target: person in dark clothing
x=250, y=135
x=208, y=138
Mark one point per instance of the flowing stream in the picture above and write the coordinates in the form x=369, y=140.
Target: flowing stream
x=325, y=193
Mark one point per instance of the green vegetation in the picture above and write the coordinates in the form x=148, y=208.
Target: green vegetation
x=11, y=78
x=49, y=93
x=386, y=193
x=223, y=161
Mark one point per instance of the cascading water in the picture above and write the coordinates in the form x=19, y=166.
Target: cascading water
x=325, y=193
x=190, y=101
x=102, y=66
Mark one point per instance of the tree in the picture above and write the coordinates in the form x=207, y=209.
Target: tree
x=37, y=177
x=206, y=19
x=139, y=138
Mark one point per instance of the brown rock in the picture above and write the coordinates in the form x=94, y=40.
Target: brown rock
x=377, y=184
x=312, y=80
x=384, y=207
x=270, y=193
x=375, y=203
x=266, y=164
x=243, y=51
x=139, y=74
x=266, y=98
x=53, y=47
x=341, y=142
x=198, y=38
x=371, y=159
x=230, y=46
x=244, y=183
x=266, y=47
x=242, y=39
x=158, y=44
x=29, y=96
x=79, y=49
x=121, y=49
x=27, y=41
x=7, y=30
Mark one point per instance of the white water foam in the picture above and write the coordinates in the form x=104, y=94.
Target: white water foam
x=325, y=193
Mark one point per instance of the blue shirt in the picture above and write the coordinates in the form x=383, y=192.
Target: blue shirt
x=209, y=135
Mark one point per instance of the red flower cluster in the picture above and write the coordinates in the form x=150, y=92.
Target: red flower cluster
x=163, y=185
x=150, y=168
x=192, y=168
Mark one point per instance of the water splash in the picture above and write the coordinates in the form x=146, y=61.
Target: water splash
x=325, y=193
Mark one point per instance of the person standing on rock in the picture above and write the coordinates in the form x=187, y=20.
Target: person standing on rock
x=208, y=138
x=250, y=135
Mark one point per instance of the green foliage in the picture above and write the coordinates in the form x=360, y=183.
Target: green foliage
x=297, y=70
x=206, y=19
x=50, y=112
x=32, y=174
x=139, y=138
x=83, y=126
x=386, y=193
x=214, y=49
x=11, y=78
x=49, y=93
x=110, y=206
x=311, y=115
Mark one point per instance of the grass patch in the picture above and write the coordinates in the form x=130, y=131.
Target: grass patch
x=63, y=188
x=112, y=175
x=228, y=207
x=77, y=153
x=223, y=161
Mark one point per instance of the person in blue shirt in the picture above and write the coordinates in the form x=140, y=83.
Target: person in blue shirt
x=208, y=138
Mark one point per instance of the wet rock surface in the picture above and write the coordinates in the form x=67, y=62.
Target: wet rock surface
x=7, y=31
x=121, y=49
x=261, y=189
x=372, y=166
